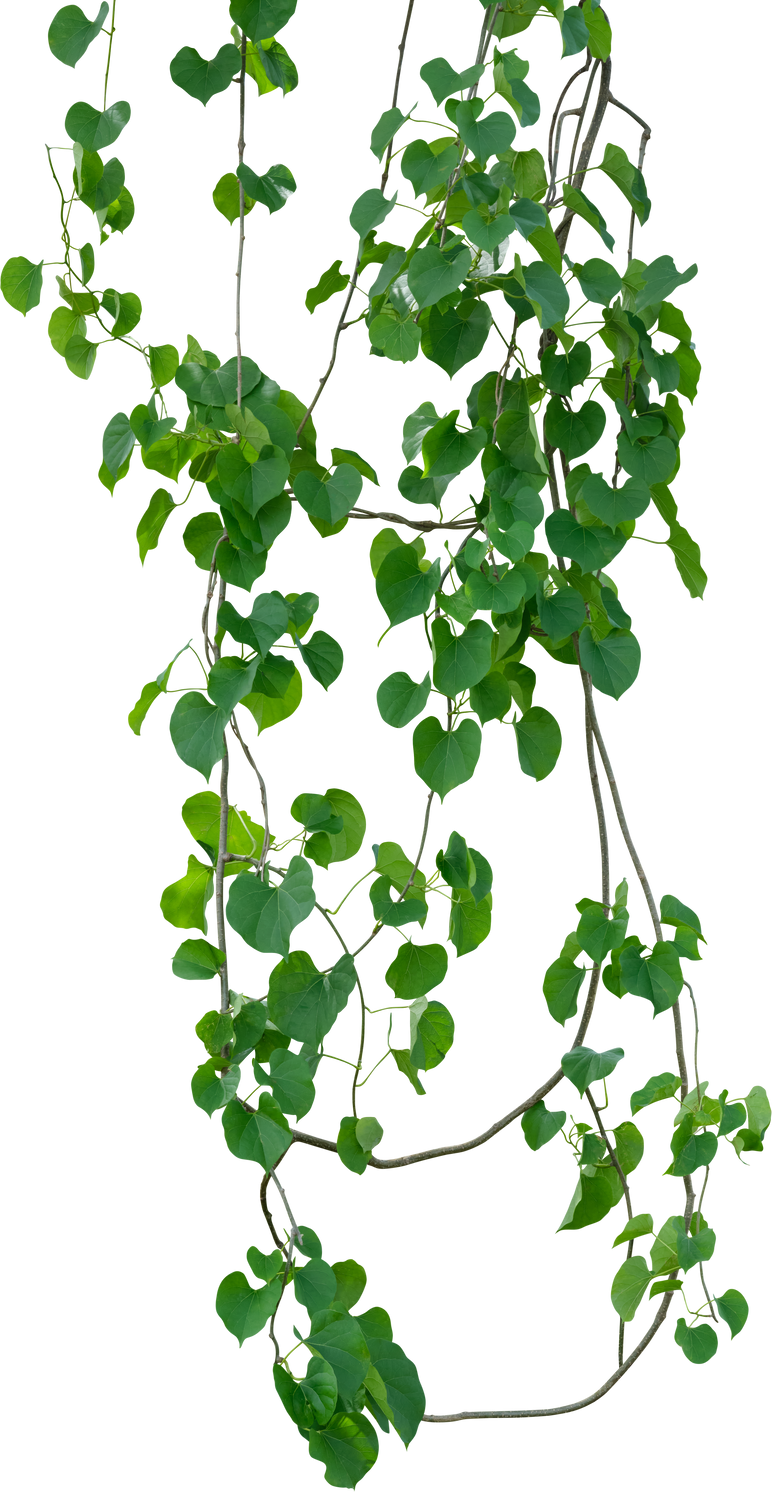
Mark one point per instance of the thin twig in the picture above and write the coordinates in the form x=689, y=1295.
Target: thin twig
x=333, y=346
x=401, y=50
x=242, y=213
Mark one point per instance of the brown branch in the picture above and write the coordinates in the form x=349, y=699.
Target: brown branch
x=445, y=1419
x=423, y=525
x=401, y=50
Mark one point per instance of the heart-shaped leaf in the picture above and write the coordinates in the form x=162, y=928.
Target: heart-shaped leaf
x=332, y=498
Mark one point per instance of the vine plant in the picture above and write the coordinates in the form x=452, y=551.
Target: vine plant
x=570, y=333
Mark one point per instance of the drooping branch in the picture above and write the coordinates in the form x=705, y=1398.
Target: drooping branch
x=436, y=1419
x=321, y=382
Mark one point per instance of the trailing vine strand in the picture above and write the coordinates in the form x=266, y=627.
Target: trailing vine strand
x=250, y=449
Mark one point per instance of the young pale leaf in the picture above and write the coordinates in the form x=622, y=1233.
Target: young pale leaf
x=583, y=1066
x=400, y=700
x=197, y=731
x=612, y=662
x=262, y=1137
x=265, y=915
x=538, y=742
x=562, y=982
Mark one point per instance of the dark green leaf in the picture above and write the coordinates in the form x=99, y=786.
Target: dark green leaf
x=347, y=1446
x=599, y=281
x=593, y=1198
x=574, y=431
x=695, y=1249
x=431, y=1029
x=289, y=1080
x=651, y=463
x=686, y=554
x=445, y=759
x=330, y=283
x=202, y=79
x=304, y=1003
x=612, y=662
x=470, y=921
x=266, y=915
x=487, y=135
x=369, y=211
x=426, y=167
x=264, y=626
x=21, y=283
x=660, y=279
x=615, y=506
x=628, y=179
x=456, y=336
x=584, y=208
x=352, y=458
x=417, y=969
x=699, y=1343
x=404, y=1394
x=315, y=1286
x=637, y=1227
x=93, y=129
x=352, y=1154
x=628, y=1144
x=248, y=1029
x=402, y=1059
x=272, y=189
x=732, y=1307
x=196, y=959
x=629, y=1286
x=698, y=1151
x=443, y=80
x=538, y=742
x=71, y=34
x=261, y=19
x=664, y=1085
x=540, y=1126
x=152, y=521
x=545, y=289
x=460, y=661
x=323, y=658
x=262, y=1137
x=351, y=1278
x=400, y=700
x=562, y=613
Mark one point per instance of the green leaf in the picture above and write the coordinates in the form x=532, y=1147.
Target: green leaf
x=117, y=440
x=629, y=1286
x=431, y=1031
x=686, y=554
x=272, y=189
x=427, y=166
x=261, y=19
x=456, y=336
x=93, y=129
x=417, y=969
x=664, y=1085
x=338, y=1338
x=447, y=450
x=628, y=179
x=501, y=595
x=329, y=284
x=612, y=662
x=562, y=613
x=584, y=208
x=248, y=1030
x=326, y=849
x=395, y=914
x=211, y=1088
x=486, y=235
x=304, y=1003
x=347, y=1446
x=164, y=362
x=265, y=1266
x=732, y=1307
x=351, y=1155
x=290, y=1081
x=332, y=498
x=574, y=29
x=759, y=1113
x=574, y=431
x=184, y=901
x=152, y=521
x=227, y=200
x=21, y=283
x=351, y=1278
x=698, y=1151
x=369, y=211
x=385, y=130
x=263, y=627
x=432, y=275
x=599, y=281
x=242, y=1310
x=197, y=728
x=583, y=1066
x=657, y=978
x=267, y=711
x=562, y=983
x=80, y=356
x=403, y=588
x=540, y=1126
x=442, y=79
x=264, y=915
x=562, y=371
x=315, y=1286
x=538, y=742
x=71, y=34
x=197, y=959
x=660, y=279
x=599, y=31
x=601, y=936
x=593, y=1198
x=694, y=1250
x=487, y=135
x=369, y=1133
x=262, y=1137
x=628, y=1144
x=400, y=700
x=202, y=79
x=546, y=292
x=613, y=505
x=445, y=759
x=699, y=1343
x=323, y=658
x=404, y=1394
x=460, y=661
x=637, y=1227
x=652, y=463
x=402, y=1059
x=471, y=924
x=491, y=698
